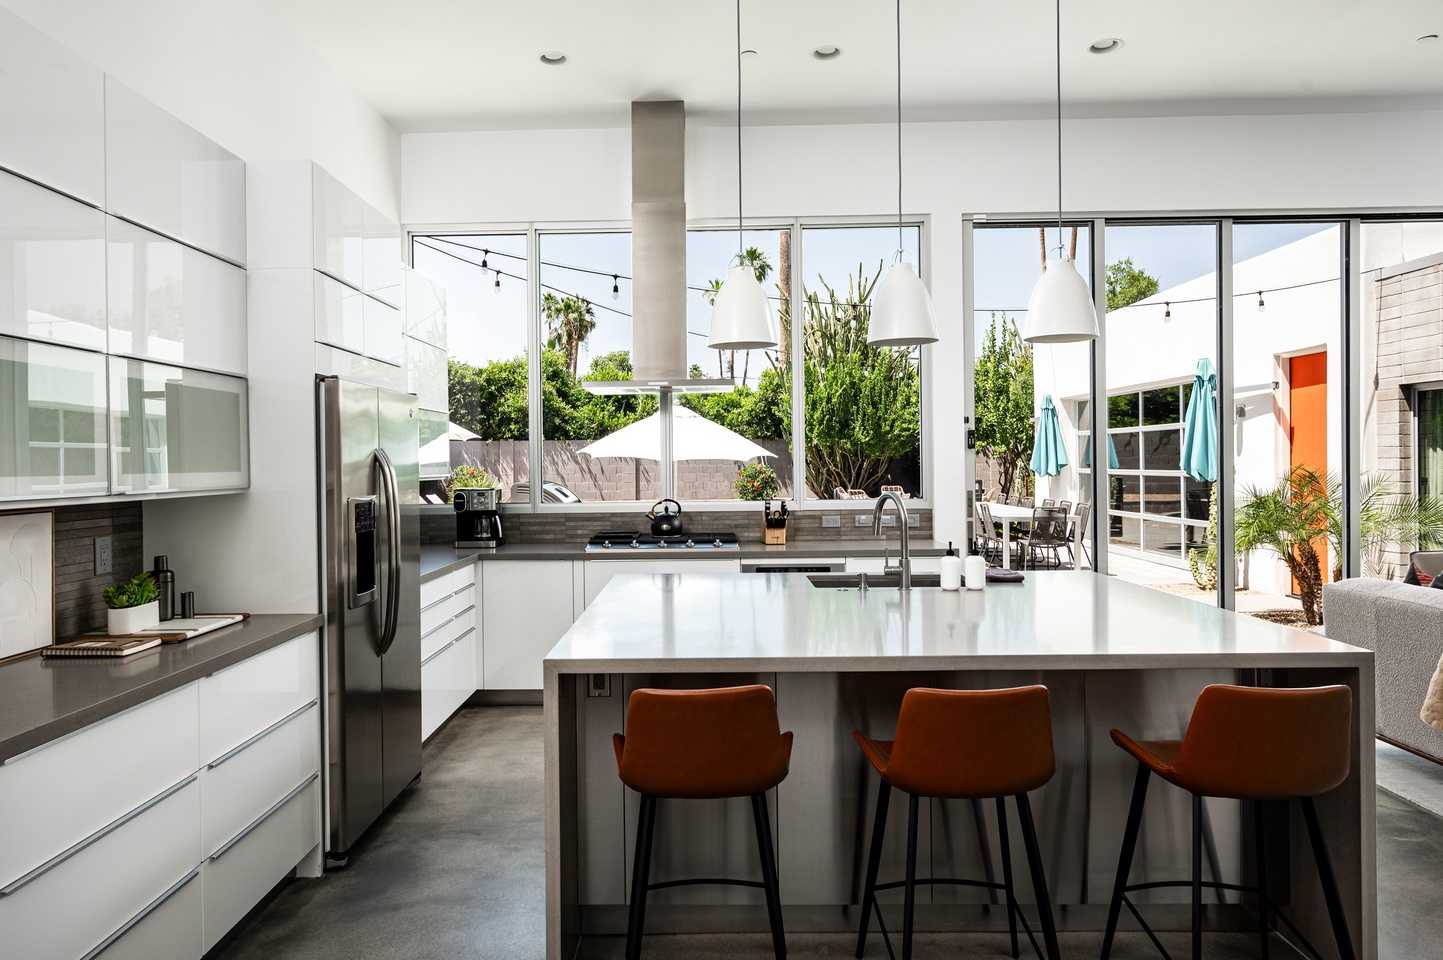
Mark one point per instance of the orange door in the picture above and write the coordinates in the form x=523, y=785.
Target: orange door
x=1308, y=432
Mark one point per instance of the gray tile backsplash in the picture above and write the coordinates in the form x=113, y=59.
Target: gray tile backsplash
x=79, y=607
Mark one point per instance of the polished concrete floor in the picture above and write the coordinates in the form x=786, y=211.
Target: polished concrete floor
x=455, y=870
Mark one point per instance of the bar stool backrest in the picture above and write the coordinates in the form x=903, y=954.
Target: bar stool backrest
x=1253, y=743
x=972, y=743
x=702, y=744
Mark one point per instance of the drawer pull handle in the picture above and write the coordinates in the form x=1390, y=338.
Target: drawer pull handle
x=439, y=652
x=263, y=817
x=154, y=905
x=433, y=603
x=437, y=627
x=466, y=611
x=469, y=586
x=95, y=837
x=262, y=735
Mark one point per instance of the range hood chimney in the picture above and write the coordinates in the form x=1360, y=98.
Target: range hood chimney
x=658, y=256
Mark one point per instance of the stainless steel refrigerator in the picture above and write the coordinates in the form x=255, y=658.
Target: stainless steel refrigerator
x=371, y=537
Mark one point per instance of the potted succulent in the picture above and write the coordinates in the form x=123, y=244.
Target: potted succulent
x=134, y=605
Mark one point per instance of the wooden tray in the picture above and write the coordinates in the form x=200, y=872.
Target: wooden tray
x=163, y=637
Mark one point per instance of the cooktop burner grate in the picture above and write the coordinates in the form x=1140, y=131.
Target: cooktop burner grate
x=635, y=540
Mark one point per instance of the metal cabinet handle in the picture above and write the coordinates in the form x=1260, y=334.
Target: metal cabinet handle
x=232, y=752
x=393, y=551
x=154, y=905
x=263, y=817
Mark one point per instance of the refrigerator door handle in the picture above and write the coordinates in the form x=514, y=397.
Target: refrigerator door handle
x=393, y=550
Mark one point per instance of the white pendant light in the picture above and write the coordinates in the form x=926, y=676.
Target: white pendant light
x=901, y=308
x=1061, y=309
x=741, y=318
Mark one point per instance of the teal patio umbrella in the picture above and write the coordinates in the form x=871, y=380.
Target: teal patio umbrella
x=1049, y=455
x=1111, y=453
x=1200, y=426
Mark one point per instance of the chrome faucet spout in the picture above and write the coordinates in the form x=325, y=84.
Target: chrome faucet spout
x=904, y=563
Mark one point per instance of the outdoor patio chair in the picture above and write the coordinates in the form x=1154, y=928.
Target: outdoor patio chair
x=1049, y=503
x=1065, y=504
x=1084, y=512
x=1048, y=533
x=1026, y=502
x=991, y=532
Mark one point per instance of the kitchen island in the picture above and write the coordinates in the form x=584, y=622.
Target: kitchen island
x=1112, y=653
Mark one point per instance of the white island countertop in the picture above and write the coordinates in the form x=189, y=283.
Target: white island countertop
x=699, y=622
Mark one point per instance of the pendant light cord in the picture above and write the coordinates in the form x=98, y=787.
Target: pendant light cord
x=1058, y=31
x=900, y=245
x=741, y=243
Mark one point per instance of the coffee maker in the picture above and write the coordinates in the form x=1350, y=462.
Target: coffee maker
x=478, y=522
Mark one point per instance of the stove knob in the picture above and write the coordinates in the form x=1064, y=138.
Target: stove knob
x=690, y=543
x=606, y=545
x=716, y=543
x=661, y=544
x=634, y=544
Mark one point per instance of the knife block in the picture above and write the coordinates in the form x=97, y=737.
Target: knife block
x=774, y=535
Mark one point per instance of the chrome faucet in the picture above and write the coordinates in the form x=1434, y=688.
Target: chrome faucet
x=904, y=563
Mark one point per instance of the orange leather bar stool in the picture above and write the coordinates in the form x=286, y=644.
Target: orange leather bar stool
x=702, y=745
x=1245, y=743
x=964, y=745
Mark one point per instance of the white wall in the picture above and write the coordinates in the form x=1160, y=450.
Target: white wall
x=952, y=170
x=239, y=72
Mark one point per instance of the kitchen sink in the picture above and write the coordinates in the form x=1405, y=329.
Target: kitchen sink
x=852, y=581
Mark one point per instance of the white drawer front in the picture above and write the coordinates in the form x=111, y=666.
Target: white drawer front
x=114, y=879
x=435, y=614
x=435, y=589
x=51, y=799
x=240, y=701
x=436, y=690
x=170, y=928
x=466, y=595
x=242, y=785
x=235, y=878
x=436, y=637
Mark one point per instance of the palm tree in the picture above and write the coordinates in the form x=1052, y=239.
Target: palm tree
x=1384, y=517
x=1292, y=520
x=569, y=321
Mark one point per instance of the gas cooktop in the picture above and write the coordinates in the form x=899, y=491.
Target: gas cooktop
x=632, y=540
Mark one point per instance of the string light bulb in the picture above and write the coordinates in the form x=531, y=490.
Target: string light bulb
x=484, y=255
x=1167, y=311
x=615, y=288
x=1262, y=307
x=498, y=282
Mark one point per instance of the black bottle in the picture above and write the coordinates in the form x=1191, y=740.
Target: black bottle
x=164, y=579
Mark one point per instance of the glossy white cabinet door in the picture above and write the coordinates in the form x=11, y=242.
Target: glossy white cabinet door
x=169, y=928
x=383, y=331
x=52, y=265
x=174, y=429
x=241, y=701
x=381, y=258
x=53, y=419
x=426, y=374
x=425, y=308
x=435, y=444
x=331, y=362
x=526, y=607
x=338, y=229
x=339, y=318
x=163, y=174
x=172, y=303
x=52, y=112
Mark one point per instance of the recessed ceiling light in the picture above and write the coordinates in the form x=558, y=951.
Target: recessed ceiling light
x=553, y=58
x=1428, y=38
x=827, y=51
x=1106, y=45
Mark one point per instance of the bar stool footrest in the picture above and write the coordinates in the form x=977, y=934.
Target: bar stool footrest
x=1216, y=885
x=707, y=881
x=1011, y=906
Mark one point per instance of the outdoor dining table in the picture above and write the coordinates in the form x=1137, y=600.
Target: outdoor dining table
x=1007, y=514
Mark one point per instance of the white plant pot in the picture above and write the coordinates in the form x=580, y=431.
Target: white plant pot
x=128, y=620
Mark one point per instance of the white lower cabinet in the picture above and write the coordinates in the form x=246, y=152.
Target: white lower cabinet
x=527, y=605
x=169, y=928
x=450, y=628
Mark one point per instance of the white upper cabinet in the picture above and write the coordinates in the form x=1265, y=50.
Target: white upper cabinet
x=426, y=374
x=161, y=173
x=383, y=331
x=173, y=429
x=339, y=320
x=52, y=112
x=381, y=258
x=52, y=423
x=171, y=303
x=425, y=308
x=339, y=229
x=52, y=266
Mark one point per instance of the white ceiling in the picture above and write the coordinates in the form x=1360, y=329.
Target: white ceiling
x=473, y=64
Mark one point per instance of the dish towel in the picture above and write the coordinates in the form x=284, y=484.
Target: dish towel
x=1432, y=712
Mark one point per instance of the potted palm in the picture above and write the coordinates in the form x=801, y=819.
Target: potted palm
x=134, y=605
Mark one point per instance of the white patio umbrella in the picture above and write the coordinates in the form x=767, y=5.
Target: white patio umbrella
x=439, y=450
x=693, y=437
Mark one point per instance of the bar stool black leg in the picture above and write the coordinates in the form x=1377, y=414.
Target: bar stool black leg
x=1129, y=846
x=979, y=820
x=910, y=901
x=1196, y=877
x=769, y=873
x=1007, y=874
x=1039, y=881
x=640, y=873
x=1261, y=854
x=874, y=860
x=1330, y=883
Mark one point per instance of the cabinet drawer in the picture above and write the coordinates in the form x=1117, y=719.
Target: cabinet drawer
x=114, y=877
x=64, y=792
x=240, y=701
x=434, y=617
x=436, y=688
x=242, y=871
x=239, y=786
x=447, y=584
x=167, y=929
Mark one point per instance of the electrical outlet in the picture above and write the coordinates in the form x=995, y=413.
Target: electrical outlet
x=102, y=555
x=913, y=521
x=599, y=685
x=889, y=519
x=831, y=521
x=861, y=520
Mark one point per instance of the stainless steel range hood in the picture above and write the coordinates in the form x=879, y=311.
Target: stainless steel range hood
x=658, y=258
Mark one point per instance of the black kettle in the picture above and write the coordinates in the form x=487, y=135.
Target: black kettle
x=667, y=523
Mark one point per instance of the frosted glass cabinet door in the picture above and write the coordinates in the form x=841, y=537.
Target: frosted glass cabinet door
x=163, y=174
x=381, y=258
x=52, y=266
x=338, y=228
x=52, y=423
x=52, y=112
x=174, y=429
x=173, y=303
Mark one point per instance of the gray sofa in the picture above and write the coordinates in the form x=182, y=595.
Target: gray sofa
x=1403, y=626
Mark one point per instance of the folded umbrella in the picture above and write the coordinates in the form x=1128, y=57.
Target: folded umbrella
x=1049, y=455
x=1200, y=425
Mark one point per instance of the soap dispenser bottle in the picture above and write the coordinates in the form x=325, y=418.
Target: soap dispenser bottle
x=951, y=569
x=976, y=570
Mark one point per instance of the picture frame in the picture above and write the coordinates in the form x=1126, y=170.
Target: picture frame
x=27, y=582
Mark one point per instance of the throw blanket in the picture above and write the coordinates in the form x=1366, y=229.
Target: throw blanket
x=1432, y=712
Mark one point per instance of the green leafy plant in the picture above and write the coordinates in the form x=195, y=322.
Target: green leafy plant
x=757, y=481
x=1127, y=284
x=1002, y=375
x=1203, y=562
x=135, y=592
x=468, y=476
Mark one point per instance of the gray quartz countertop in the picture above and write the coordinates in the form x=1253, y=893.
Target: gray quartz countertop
x=1059, y=620
x=437, y=559
x=42, y=699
